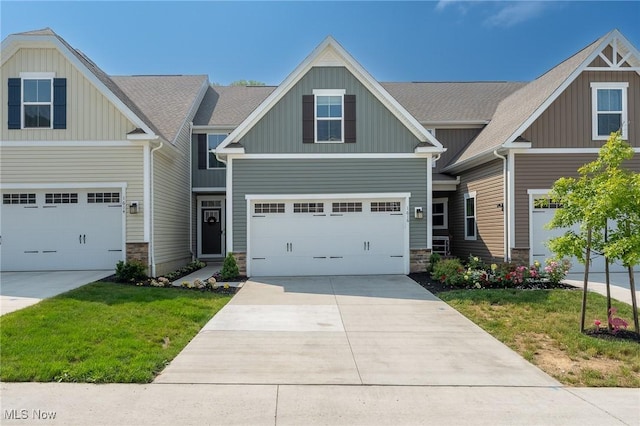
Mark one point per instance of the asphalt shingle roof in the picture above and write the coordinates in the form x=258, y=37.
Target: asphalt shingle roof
x=228, y=106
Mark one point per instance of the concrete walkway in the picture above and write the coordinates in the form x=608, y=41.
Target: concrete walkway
x=21, y=289
x=331, y=351
x=620, y=286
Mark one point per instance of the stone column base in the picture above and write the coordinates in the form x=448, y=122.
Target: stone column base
x=241, y=261
x=419, y=260
x=520, y=255
x=139, y=252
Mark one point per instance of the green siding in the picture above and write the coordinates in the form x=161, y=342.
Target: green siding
x=329, y=176
x=215, y=178
x=377, y=129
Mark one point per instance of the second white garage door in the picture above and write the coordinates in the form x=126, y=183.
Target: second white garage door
x=328, y=237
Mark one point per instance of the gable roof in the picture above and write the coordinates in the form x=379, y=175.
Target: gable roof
x=228, y=106
x=168, y=101
x=452, y=102
x=158, y=105
x=330, y=53
x=516, y=112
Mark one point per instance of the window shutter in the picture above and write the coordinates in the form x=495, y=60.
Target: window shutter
x=59, y=103
x=349, y=118
x=202, y=152
x=14, y=103
x=308, y=116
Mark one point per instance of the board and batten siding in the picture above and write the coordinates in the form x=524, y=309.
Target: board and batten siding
x=171, y=205
x=568, y=120
x=540, y=171
x=90, y=115
x=47, y=165
x=377, y=129
x=488, y=183
x=324, y=176
x=454, y=140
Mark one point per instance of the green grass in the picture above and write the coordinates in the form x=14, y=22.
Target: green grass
x=543, y=326
x=102, y=333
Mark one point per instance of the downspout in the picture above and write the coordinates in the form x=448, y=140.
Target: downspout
x=193, y=257
x=152, y=233
x=505, y=204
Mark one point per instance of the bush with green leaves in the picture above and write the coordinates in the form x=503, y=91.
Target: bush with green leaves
x=433, y=259
x=131, y=271
x=229, y=268
x=449, y=272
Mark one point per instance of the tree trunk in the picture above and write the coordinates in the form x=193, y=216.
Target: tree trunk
x=586, y=280
x=634, y=303
x=607, y=279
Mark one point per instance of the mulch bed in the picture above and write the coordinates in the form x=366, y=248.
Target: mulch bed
x=604, y=333
x=435, y=286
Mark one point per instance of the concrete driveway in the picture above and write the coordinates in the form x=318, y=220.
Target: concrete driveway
x=21, y=289
x=365, y=330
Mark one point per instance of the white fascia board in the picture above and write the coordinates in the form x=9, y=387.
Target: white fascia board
x=429, y=149
x=321, y=156
x=142, y=137
x=538, y=191
x=339, y=196
x=14, y=42
x=227, y=151
x=560, y=89
x=356, y=69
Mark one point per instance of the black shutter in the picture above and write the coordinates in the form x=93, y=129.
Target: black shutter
x=308, y=118
x=202, y=152
x=350, y=118
x=59, y=103
x=14, y=103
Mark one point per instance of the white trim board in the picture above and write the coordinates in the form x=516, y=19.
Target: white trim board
x=330, y=156
x=65, y=185
x=340, y=196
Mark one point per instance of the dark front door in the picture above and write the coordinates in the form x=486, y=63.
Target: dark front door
x=211, y=232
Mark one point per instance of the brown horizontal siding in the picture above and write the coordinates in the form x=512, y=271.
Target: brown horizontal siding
x=567, y=121
x=488, y=183
x=540, y=171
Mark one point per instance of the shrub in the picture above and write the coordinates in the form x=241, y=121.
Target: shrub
x=449, y=272
x=132, y=271
x=433, y=259
x=474, y=262
x=556, y=270
x=229, y=268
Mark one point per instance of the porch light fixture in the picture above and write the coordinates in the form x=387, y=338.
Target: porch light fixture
x=133, y=207
x=419, y=213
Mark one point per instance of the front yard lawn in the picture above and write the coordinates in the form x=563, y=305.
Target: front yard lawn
x=102, y=333
x=543, y=326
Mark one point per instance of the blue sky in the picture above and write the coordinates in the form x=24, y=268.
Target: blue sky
x=448, y=40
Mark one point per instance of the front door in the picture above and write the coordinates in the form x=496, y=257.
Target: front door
x=211, y=231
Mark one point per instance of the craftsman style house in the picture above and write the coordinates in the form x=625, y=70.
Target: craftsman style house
x=331, y=172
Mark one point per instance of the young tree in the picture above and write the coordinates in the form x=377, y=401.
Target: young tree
x=605, y=195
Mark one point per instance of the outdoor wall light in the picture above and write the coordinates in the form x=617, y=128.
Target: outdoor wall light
x=419, y=213
x=133, y=207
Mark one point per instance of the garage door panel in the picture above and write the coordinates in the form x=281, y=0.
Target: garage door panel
x=327, y=243
x=55, y=235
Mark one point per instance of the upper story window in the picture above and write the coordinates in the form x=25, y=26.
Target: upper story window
x=213, y=140
x=37, y=100
x=37, y=96
x=609, y=109
x=329, y=115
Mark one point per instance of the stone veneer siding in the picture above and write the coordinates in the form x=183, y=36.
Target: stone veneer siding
x=139, y=252
x=241, y=261
x=419, y=260
x=520, y=255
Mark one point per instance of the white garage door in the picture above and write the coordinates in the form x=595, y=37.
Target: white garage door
x=542, y=212
x=328, y=237
x=49, y=230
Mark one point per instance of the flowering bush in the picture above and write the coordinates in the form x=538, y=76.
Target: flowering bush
x=555, y=271
x=449, y=272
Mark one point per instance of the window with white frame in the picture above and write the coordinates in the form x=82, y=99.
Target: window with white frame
x=609, y=109
x=439, y=213
x=213, y=140
x=470, y=216
x=37, y=100
x=329, y=117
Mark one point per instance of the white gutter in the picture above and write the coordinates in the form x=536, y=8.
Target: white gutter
x=505, y=205
x=191, y=190
x=151, y=234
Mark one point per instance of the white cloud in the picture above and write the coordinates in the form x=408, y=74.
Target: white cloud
x=513, y=13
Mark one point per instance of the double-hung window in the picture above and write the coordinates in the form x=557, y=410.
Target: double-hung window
x=470, y=216
x=213, y=140
x=609, y=109
x=37, y=100
x=329, y=115
x=439, y=212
